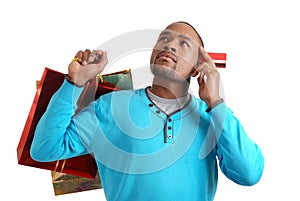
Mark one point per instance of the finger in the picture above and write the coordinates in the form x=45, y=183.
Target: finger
x=94, y=69
x=91, y=58
x=201, y=79
x=103, y=58
x=98, y=52
x=205, y=56
x=203, y=67
x=94, y=57
x=85, y=56
x=78, y=56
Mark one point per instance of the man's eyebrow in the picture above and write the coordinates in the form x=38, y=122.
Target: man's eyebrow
x=167, y=32
x=185, y=37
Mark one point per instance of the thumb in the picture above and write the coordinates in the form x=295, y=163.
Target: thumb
x=96, y=68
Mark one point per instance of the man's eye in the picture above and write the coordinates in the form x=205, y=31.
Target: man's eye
x=163, y=38
x=184, y=43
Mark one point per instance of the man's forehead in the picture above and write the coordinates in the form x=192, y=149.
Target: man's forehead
x=182, y=35
x=169, y=32
x=185, y=30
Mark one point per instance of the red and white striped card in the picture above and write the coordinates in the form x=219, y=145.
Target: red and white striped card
x=219, y=59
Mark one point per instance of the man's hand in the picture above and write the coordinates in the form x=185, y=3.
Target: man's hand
x=86, y=65
x=208, y=79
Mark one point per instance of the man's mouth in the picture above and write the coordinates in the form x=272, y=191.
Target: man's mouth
x=167, y=56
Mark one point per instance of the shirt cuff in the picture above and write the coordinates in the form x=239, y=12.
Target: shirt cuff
x=69, y=92
x=73, y=83
x=215, y=104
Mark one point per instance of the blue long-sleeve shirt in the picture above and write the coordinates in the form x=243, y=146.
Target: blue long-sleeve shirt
x=143, y=154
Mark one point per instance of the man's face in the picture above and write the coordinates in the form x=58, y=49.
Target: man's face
x=175, y=53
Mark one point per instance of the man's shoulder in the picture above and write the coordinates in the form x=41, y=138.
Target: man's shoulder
x=121, y=99
x=119, y=94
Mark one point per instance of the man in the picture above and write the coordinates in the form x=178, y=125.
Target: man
x=157, y=143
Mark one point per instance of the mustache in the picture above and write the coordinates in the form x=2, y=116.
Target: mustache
x=167, y=54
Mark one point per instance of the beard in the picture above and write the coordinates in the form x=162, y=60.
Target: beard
x=164, y=72
x=167, y=73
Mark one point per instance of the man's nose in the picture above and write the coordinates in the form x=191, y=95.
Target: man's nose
x=169, y=47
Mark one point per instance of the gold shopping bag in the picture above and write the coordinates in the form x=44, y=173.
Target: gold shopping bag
x=67, y=183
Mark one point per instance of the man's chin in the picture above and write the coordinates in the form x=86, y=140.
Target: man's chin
x=167, y=65
x=162, y=70
x=166, y=72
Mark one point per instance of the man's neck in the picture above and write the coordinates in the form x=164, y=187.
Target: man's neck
x=168, y=89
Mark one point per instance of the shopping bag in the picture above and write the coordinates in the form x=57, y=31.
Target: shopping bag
x=67, y=183
x=84, y=166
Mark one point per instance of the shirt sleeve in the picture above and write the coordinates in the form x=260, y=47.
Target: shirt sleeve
x=240, y=158
x=56, y=135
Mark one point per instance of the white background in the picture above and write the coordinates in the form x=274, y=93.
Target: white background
x=261, y=81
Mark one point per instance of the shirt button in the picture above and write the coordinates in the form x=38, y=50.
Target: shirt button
x=157, y=111
x=169, y=127
x=169, y=120
x=150, y=105
x=169, y=136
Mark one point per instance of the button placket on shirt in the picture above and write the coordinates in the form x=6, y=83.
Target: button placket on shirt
x=169, y=120
x=168, y=131
x=157, y=110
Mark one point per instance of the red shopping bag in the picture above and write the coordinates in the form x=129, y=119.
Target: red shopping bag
x=84, y=166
